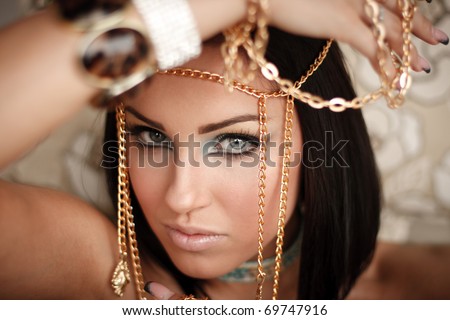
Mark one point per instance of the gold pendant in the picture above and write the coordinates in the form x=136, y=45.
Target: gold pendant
x=121, y=277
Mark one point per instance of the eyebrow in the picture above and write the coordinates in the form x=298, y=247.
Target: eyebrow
x=228, y=122
x=203, y=129
x=153, y=124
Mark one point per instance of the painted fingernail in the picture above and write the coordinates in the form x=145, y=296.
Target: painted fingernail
x=440, y=36
x=158, y=290
x=429, y=1
x=424, y=64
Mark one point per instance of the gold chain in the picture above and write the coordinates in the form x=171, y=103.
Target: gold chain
x=395, y=90
x=314, y=66
x=388, y=89
x=214, y=77
x=283, y=192
x=121, y=275
x=261, y=192
x=135, y=258
x=404, y=77
x=235, y=67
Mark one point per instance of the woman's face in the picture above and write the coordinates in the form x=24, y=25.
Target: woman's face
x=193, y=157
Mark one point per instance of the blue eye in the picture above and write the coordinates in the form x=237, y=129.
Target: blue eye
x=235, y=144
x=150, y=137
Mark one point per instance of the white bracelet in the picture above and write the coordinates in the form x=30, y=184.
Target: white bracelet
x=172, y=30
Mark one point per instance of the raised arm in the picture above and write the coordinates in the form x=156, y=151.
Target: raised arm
x=40, y=84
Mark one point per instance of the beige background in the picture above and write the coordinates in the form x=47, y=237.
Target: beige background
x=412, y=145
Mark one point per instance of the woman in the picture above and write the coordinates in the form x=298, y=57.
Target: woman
x=52, y=237
x=194, y=190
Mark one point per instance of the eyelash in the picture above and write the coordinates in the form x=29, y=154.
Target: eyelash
x=246, y=137
x=137, y=131
x=242, y=135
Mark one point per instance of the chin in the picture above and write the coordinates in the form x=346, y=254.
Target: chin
x=201, y=269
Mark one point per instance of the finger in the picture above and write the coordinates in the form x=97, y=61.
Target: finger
x=160, y=292
x=418, y=62
x=360, y=36
x=424, y=30
x=394, y=37
x=422, y=26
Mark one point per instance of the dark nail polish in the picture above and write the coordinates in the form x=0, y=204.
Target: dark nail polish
x=429, y=1
x=424, y=64
x=440, y=36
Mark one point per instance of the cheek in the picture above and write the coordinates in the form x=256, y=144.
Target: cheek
x=148, y=181
x=236, y=192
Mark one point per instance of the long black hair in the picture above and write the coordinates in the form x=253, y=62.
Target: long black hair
x=339, y=193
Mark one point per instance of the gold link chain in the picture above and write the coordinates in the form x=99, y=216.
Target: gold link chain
x=236, y=67
x=393, y=91
x=289, y=118
x=135, y=258
x=121, y=275
x=261, y=192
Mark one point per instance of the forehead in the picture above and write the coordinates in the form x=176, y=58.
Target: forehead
x=198, y=100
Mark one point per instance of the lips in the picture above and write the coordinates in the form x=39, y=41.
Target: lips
x=191, y=239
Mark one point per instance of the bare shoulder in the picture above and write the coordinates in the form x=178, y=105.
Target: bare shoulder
x=53, y=245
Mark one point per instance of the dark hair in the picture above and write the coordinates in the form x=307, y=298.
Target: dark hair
x=340, y=204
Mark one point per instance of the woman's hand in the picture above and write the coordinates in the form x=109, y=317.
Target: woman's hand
x=347, y=21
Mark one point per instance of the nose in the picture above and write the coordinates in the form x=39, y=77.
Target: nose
x=188, y=190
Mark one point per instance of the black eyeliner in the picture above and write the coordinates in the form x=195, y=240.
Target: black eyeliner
x=247, y=137
x=136, y=130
